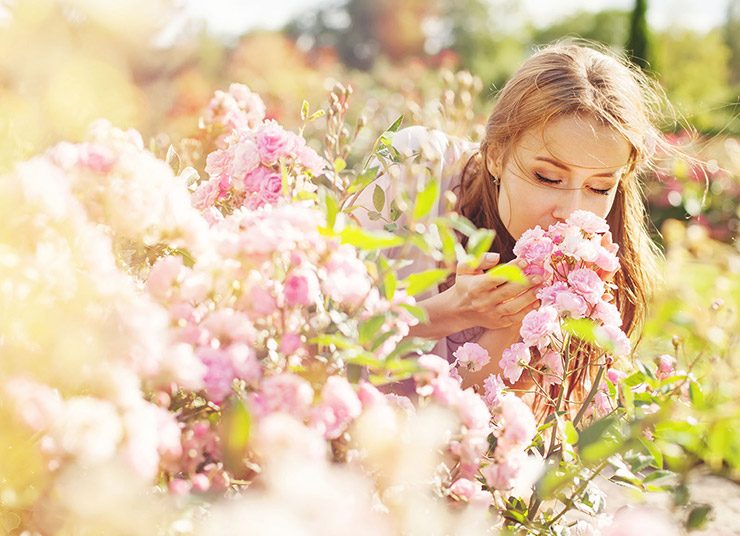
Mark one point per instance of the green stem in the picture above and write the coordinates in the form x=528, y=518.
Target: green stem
x=572, y=498
x=590, y=396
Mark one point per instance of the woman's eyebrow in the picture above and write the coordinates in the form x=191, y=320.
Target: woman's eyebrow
x=559, y=164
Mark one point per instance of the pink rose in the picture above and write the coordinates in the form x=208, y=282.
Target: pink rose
x=464, y=488
x=472, y=355
x=272, y=189
x=472, y=410
x=339, y=406
x=613, y=339
x=517, y=425
x=513, y=359
x=607, y=313
x=547, y=294
x=311, y=160
x=494, y=388
x=571, y=304
x=538, y=325
x=218, y=163
x=553, y=372
x=666, y=366
x=286, y=392
x=274, y=142
x=297, y=290
x=219, y=373
x=588, y=221
x=163, y=275
x=534, y=246
x=290, y=343
x=245, y=159
x=587, y=283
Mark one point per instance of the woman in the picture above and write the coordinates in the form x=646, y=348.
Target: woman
x=572, y=129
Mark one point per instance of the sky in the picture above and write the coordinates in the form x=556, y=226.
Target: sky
x=230, y=18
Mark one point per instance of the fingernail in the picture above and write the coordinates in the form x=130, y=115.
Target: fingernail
x=492, y=256
x=537, y=280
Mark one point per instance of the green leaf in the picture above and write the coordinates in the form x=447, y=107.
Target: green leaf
x=571, y=434
x=339, y=341
x=411, y=345
x=508, y=272
x=447, y=238
x=419, y=312
x=304, y=110
x=364, y=359
x=419, y=282
x=365, y=178
x=657, y=475
x=696, y=395
x=395, y=125
x=395, y=211
x=654, y=451
x=378, y=198
x=698, y=516
x=331, y=206
x=317, y=114
x=339, y=164
x=369, y=328
x=480, y=242
x=426, y=199
x=237, y=422
x=583, y=328
x=369, y=240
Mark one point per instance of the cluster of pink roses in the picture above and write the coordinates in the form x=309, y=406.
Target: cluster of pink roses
x=576, y=258
x=248, y=169
x=506, y=469
x=250, y=309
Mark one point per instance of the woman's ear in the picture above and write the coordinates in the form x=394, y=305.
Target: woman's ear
x=494, y=164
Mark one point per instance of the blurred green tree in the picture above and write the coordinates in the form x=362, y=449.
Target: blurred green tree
x=638, y=42
x=610, y=26
x=694, y=69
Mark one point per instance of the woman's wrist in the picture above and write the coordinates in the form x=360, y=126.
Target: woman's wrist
x=460, y=313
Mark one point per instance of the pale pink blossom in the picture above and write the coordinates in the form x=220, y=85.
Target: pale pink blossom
x=570, y=304
x=553, y=371
x=588, y=221
x=274, y=142
x=163, y=275
x=607, y=313
x=285, y=392
x=494, y=388
x=290, y=343
x=244, y=363
x=539, y=325
x=37, y=405
x=613, y=339
x=219, y=375
x=311, y=160
x=534, y=246
x=244, y=158
x=89, y=429
x=472, y=410
x=346, y=281
x=517, y=425
x=513, y=360
x=472, y=356
x=96, y=157
x=666, y=366
x=548, y=294
x=339, y=406
x=587, y=283
x=219, y=163
x=297, y=290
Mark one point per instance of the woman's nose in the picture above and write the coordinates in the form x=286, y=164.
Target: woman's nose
x=567, y=202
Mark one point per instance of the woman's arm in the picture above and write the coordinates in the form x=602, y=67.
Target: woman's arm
x=447, y=315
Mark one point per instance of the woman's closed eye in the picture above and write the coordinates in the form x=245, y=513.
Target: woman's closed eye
x=546, y=180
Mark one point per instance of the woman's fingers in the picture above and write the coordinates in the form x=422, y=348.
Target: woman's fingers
x=488, y=261
x=510, y=290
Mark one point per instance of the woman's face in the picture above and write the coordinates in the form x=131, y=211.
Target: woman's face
x=573, y=163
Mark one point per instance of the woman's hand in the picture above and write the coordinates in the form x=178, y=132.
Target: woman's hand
x=492, y=302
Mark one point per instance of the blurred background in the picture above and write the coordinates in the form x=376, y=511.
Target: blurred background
x=154, y=64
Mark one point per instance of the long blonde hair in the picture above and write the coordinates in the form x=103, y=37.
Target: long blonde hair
x=571, y=78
